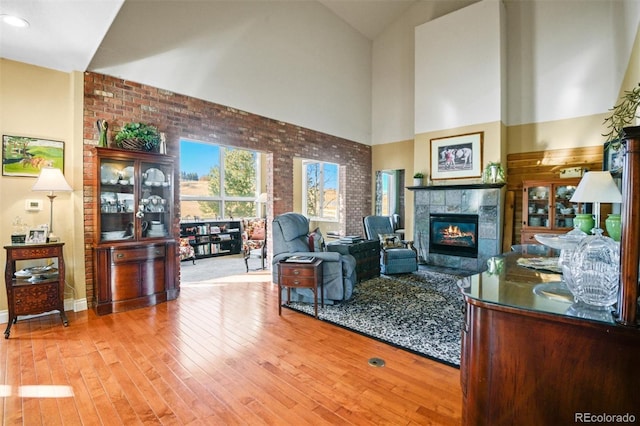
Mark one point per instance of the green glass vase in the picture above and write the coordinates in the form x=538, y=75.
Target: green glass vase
x=614, y=226
x=584, y=221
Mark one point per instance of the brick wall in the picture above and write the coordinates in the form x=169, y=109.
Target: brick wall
x=119, y=102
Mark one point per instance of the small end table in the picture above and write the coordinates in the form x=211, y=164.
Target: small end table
x=300, y=275
x=34, y=297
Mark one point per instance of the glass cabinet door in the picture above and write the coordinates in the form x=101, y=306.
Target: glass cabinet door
x=117, y=202
x=538, y=205
x=565, y=210
x=156, y=199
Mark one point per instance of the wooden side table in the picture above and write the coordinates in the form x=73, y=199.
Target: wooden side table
x=26, y=297
x=300, y=275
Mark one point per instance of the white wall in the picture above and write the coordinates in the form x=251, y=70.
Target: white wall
x=290, y=61
x=393, y=71
x=564, y=59
x=567, y=59
x=458, y=71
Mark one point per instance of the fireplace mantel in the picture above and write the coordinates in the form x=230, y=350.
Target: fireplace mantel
x=458, y=186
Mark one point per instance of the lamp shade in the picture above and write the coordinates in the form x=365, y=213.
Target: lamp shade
x=262, y=198
x=597, y=187
x=51, y=179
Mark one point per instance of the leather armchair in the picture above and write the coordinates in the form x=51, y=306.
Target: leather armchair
x=290, y=238
x=396, y=256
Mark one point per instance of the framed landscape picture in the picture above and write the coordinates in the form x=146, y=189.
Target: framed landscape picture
x=25, y=156
x=457, y=157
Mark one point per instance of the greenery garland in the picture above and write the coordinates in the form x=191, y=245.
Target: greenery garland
x=622, y=115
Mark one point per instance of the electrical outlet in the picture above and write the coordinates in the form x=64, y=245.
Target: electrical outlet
x=571, y=172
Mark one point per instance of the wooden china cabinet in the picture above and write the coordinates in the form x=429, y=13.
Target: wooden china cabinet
x=135, y=249
x=546, y=207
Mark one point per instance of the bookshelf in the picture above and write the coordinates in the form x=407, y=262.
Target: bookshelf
x=213, y=237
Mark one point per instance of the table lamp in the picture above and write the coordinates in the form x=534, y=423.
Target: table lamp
x=51, y=179
x=596, y=188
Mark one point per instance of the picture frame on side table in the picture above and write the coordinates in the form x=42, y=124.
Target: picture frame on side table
x=37, y=236
x=26, y=156
x=457, y=157
x=612, y=159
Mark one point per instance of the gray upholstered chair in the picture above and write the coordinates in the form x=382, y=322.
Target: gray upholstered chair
x=290, y=238
x=396, y=256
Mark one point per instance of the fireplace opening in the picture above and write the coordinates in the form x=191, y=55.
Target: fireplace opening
x=454, y=234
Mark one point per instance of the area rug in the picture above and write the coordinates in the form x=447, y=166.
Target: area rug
x=420, y=312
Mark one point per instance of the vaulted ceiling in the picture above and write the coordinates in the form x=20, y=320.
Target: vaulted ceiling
x=65, y=34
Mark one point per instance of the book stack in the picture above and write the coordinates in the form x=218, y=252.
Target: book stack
x=300, y=259
x=350, y=239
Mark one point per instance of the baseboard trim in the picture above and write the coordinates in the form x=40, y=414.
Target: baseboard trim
x=69, y=305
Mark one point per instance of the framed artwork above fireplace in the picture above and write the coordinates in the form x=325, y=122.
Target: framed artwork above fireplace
x=457, y=157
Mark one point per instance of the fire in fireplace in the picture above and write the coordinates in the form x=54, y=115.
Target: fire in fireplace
x=454, y=234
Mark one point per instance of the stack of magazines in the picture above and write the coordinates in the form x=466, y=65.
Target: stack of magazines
x=350, y=239
x=301, y=259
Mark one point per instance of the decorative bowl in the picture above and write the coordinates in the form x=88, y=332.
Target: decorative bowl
x=560, y=241
x=566, y=211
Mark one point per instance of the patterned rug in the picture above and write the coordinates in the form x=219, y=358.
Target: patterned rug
x=420, y=312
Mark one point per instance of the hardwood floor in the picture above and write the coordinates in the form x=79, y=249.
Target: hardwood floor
x=218, y=355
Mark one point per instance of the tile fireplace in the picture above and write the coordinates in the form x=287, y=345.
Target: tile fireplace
x=454, y=234
x=475, y=209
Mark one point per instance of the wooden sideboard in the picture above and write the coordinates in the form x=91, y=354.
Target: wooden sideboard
x=532, y=360
x=529, y=360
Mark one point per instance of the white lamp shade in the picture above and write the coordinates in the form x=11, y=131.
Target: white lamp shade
x=262, y=198
x=51, y=179
x=597, y=187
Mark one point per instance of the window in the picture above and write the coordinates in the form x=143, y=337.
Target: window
x=320, y=190
x=387, y=193
x=389, y=198
x=217, y=181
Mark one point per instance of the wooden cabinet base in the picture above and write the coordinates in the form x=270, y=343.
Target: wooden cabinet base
x=535, y=369
x=132, y=277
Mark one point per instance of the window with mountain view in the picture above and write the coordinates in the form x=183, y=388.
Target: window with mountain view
x=217, y=181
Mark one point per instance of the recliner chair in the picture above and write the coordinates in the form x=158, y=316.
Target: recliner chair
x=396, y=256
x=290, y=238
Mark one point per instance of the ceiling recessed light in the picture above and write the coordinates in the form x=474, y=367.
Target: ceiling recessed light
x=14, y=21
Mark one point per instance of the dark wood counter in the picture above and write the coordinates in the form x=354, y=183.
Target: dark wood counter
x=530, y=359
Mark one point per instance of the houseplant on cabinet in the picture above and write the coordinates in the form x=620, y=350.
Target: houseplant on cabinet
x=138, y=136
